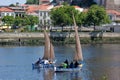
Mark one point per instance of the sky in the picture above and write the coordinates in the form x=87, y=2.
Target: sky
x=8, y=2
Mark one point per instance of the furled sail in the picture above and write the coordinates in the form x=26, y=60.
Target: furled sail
x=78, y=54
x=48, y=50
x=52, y=56
x=47, y=46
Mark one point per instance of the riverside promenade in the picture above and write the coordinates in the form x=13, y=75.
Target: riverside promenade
x=58, y=34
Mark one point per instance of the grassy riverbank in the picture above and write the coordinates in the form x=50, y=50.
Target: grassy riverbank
x=59, y=41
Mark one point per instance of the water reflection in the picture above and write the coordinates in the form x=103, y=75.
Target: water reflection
x=99, y=61
x=49, y=74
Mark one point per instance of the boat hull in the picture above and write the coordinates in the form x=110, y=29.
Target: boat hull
x=42, y=66
x=66, y=69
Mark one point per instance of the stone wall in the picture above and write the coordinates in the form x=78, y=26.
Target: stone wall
x=57, y=34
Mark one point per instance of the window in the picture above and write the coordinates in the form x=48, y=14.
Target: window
x=48, y=21
x=40, y=13
x=44, y=22
x=41, y=21
x=44, y=13
x=2, y=14
x=7, y=14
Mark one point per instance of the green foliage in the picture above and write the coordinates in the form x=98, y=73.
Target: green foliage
x=65, y=3
x=21, y=21
x=9, y=20
x=12, y=5
x=32, y=2
x=81, y=18
x=18, y=21
x=63, y=16
x=32, y=20
x=97, y=15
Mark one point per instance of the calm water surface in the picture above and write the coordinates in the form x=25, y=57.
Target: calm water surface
x=99, y=61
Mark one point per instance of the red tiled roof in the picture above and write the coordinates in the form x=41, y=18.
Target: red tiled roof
x=6, y=9
x=76, y=7
x=44, y=7
x=113, y=12
x=33, y=8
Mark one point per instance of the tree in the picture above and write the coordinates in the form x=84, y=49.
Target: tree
x=12, y=5
x=97, y=15
x=32, y=2
x=8, y=20
x=63, y=16
x=81, y=18
x=18, y=21
x=31, y=20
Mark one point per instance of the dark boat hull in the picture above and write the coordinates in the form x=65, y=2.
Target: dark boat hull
x=42, y=66
x=67, y=69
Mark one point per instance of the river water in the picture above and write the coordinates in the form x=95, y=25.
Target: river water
x=100, y=61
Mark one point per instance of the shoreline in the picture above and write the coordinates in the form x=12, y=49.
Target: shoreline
x=37, y=38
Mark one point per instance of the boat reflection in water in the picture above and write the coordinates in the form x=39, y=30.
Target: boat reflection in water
x=50, y=74
x=68, y=76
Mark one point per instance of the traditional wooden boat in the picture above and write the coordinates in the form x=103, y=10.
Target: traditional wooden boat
x=78, y=53
x=56, y=69
x=47, y=60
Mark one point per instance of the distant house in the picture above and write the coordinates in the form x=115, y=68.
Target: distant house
x=44, y=15
x=6, y=11
x=32, y=10
x=19, y=10
x=78, y=8
x=42, y=11
x=13, y=11
x=113, y=14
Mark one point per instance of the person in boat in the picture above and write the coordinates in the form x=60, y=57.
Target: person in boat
x=38, y=62
x=64, y=65
x=66, y=61
x=76, y=64
x=45, y=61
x=71, y=65
x=50, y=62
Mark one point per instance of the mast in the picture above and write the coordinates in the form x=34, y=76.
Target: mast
x=78, y=54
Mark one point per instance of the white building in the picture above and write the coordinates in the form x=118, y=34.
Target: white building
x=5, y=11
x=44, y=16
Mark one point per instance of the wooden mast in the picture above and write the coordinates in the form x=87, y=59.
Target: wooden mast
x=78, y=54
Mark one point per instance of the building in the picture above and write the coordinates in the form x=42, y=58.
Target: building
x=109, y=4
x=19, y=10
x=42, y=11
x=44, y=2
x=44, y=16
x=113, y=14
x=6, y=11
x=13, y=11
